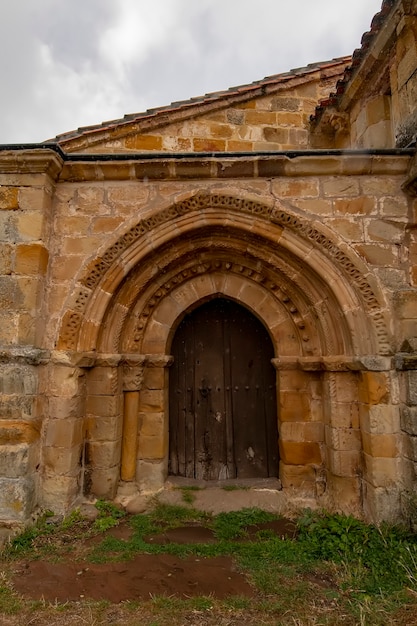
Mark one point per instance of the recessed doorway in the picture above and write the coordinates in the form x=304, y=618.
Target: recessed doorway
x=223, y=408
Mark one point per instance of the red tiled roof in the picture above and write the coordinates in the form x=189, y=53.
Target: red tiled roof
x=357, y=57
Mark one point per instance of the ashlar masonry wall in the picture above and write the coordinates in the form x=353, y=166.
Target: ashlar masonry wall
x=316, y=247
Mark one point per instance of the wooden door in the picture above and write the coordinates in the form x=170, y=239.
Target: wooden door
x=223, y=415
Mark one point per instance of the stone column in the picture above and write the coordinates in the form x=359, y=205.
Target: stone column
x=103, y=439
x=152, y=464
x=63, y=432
x=132, y=384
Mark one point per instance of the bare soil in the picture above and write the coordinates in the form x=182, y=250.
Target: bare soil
x=74, y=578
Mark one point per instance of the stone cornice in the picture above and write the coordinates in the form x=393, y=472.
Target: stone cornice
x=236, y=166
x=31, y=161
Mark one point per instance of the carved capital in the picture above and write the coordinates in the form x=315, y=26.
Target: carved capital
x=132, y=377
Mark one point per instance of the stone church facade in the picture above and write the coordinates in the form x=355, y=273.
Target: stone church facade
x=155, y=270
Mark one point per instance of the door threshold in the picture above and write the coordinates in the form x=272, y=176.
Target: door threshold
x=179, y=482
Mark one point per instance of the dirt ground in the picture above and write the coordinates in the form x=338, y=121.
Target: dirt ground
x=147, y=575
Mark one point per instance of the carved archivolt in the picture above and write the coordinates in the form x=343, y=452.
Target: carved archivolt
x=97, y=269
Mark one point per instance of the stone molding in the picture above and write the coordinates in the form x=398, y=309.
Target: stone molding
x=334, y=363
x=223, y=166
x=36, y=161
x=98, y=268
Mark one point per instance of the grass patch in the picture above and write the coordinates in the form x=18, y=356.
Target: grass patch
x=337, y=569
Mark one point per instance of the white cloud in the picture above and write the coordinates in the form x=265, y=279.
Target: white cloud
x=68, y=64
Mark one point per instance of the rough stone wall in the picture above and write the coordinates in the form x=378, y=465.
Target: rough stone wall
x=26, y=190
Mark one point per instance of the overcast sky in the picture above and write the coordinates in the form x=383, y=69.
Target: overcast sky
x=71, y=63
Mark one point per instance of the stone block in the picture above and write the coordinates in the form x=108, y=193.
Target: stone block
x=58, y=492
x=381, y=504
x=65, y=381
x=343, y=438
x=106, y=224
x=154, y=378
x=16, y=461
x=384, y=446
x=382, y=472
x=409, y=419
x=102, y=483
x=410, y=447
x=152, y=400
x=294, y=407
x=209, y=145
x=345, y=387
x=30, y=226
x=63, y=433
x=378, y=254
x=151, y=476
x=63, y=461
x=152, y=424
x=18, y=380
x=104, y=428
x=385, y=231
x=152, y=447
x=296, y=188
x=300, y=453
x=104, y=454
x=276, y=135
x=340, y=186
x=343, y=494
x=381, y=186
x=411, y=387
x=302, y=431
x=17, y=499
x=9, y=293
x=344, y=462
x=104, y=406
x=65, y=407
x=363, y=205
x=34, y=199
x=381, y=419
x=350, y=229
x=317, y=206
x=31, y=258
x=9, y=198
x=143, y=142
x=374, y=388
x=297, y=476
x=6, y=251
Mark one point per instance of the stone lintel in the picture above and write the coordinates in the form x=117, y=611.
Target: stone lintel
x=333, y=363
x=260, y=165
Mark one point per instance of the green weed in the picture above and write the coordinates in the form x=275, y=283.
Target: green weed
x=231, y=525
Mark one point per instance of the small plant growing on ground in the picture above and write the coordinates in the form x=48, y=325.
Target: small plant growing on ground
x=109, y=515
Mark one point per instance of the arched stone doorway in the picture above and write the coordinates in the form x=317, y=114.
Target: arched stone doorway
x=222, y=410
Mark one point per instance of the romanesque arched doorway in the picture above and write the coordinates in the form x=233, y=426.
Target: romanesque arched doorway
x=223, y=415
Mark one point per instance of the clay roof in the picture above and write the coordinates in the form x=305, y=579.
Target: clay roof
x=211, y=101
x=378, y=21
